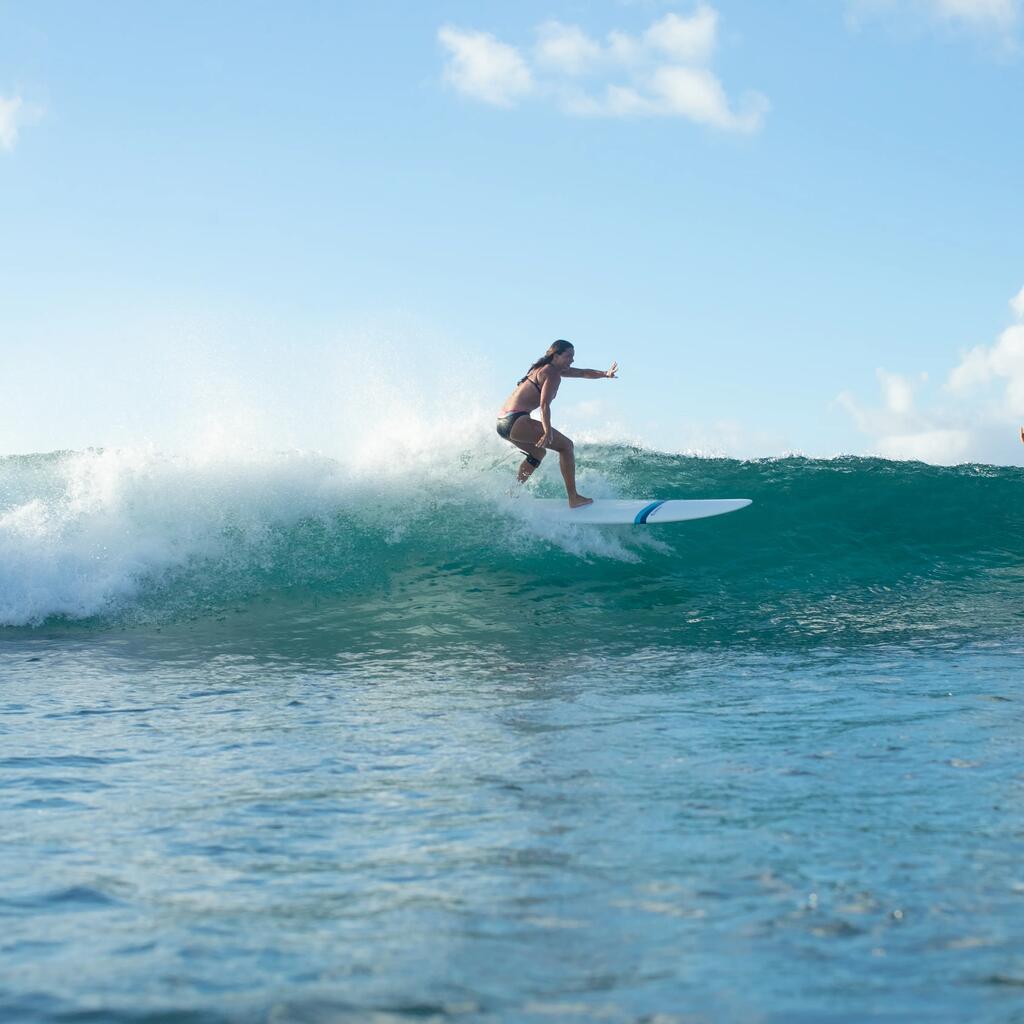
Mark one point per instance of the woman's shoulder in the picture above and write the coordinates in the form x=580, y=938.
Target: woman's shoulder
x=547, y=373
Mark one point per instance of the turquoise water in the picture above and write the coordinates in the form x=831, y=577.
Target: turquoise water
x=283, y=739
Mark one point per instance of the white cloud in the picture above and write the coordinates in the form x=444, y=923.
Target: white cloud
x=698, y=95
x=567, y=49
x=1001, y=364
x=685, y=39
x=898, y=392
x=661, y=72
x=897, y=432
x=484, y=68
x=974, y=417
x=972, y=371
x=895, y=415
x=940, y=447
x=12, y=116
x=988, y=16
x=624, y=49
x=990, y=13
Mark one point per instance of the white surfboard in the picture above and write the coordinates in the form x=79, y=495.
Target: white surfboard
x=637, y=512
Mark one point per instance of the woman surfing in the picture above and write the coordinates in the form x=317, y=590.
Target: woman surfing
x=537, y=389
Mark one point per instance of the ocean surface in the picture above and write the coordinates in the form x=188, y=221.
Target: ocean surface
x=286, y=739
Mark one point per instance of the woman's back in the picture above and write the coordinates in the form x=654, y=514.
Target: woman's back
x=526, y=395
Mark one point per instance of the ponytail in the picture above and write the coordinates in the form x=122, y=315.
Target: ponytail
x=545, y=360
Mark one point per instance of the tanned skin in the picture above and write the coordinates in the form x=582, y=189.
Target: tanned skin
x=535, y=438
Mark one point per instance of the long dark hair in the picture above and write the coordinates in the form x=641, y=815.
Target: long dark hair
x=556, y=349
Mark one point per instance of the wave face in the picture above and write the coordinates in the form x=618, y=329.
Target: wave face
x=842, y=551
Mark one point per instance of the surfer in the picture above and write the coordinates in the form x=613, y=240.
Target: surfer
x=537, y=390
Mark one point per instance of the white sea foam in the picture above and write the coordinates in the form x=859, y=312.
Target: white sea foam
x=239, y=441
x=84, y=534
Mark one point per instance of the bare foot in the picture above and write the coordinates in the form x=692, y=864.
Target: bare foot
x=525, y=471
x=579, y=501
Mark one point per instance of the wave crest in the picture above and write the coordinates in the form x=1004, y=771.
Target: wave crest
x=830, y=547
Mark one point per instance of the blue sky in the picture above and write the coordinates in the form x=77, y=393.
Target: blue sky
x=796, y=227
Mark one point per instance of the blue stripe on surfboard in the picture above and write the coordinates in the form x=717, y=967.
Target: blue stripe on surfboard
x=641, y=516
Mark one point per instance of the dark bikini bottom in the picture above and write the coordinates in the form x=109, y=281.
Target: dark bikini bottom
x=505, y=422
x=504, y=429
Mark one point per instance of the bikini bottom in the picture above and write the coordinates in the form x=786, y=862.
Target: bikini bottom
x=504, y=428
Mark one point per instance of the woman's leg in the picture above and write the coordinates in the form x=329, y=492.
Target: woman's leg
x=567, y=463
x=525, y=432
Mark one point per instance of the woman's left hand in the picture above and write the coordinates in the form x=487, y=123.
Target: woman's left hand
x=612, y=370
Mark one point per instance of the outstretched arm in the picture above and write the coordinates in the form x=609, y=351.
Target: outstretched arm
x=593, y=374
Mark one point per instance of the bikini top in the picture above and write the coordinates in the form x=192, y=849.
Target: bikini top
x=522, y=412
